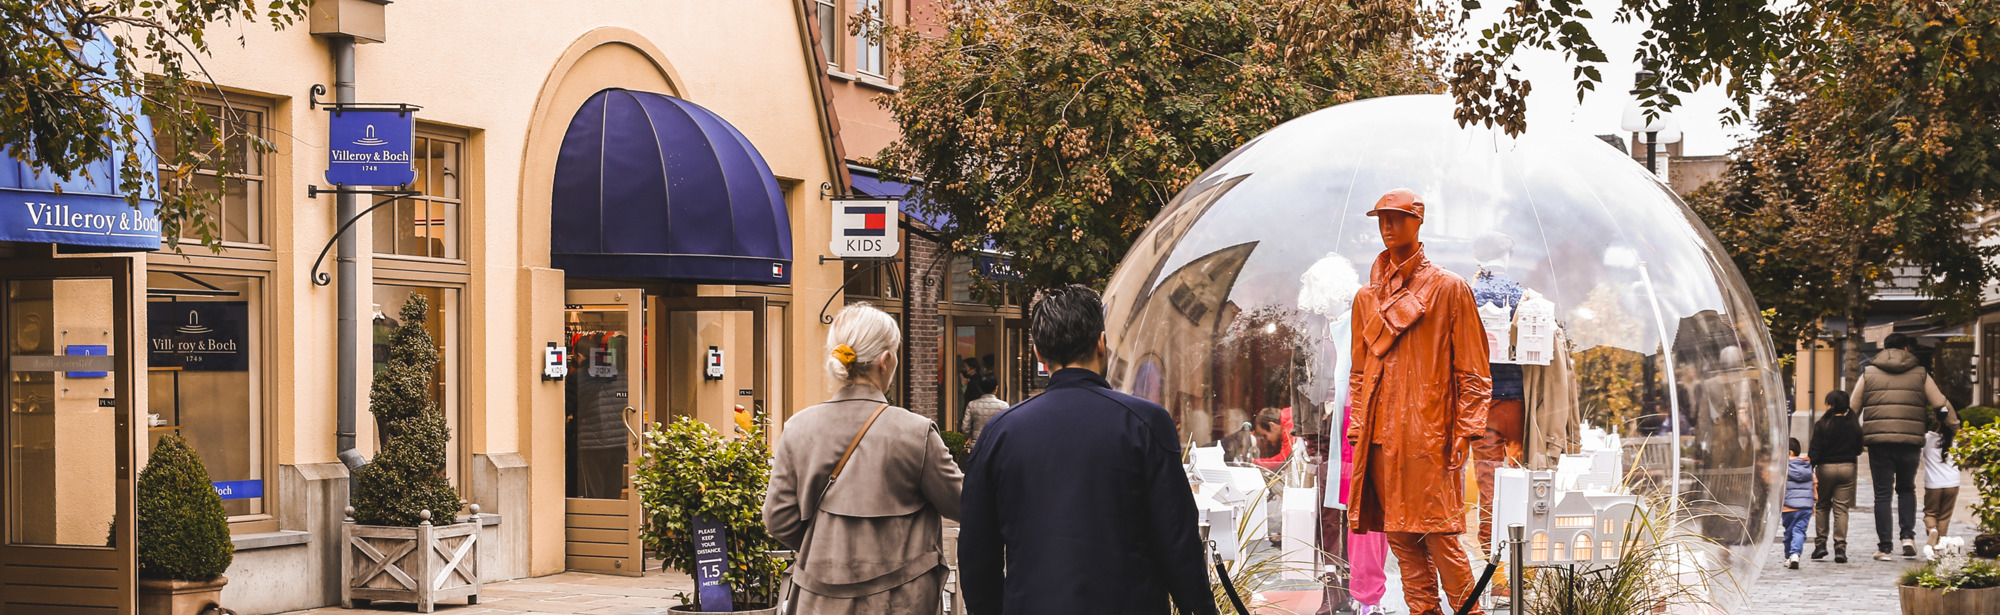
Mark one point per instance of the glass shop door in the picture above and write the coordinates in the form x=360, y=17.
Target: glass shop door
x=604, y=405
x=67, y=472
x=714, y=357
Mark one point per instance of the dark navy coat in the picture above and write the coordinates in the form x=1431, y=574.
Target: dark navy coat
x=1075, y=502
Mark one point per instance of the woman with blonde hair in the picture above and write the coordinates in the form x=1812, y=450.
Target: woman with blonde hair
x=858, y=487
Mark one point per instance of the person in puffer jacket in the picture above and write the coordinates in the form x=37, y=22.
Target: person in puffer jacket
x=1798, y=505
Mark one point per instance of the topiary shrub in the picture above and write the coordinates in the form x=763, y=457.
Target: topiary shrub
x=689, y=470
x=183, y=533
x=407, y=476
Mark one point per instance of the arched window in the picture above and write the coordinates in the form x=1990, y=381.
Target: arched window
x=1539, y=551
x=1582, y=547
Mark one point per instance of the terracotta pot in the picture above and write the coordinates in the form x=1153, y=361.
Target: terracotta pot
x=1926, y=601
x=158, y=597
x=689, y=609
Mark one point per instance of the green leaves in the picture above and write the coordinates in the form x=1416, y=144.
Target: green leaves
x=62, y=111
x=1056, y=129
x=689, y=470
x=1978, y=449
x=183, y=533
x=407, y=476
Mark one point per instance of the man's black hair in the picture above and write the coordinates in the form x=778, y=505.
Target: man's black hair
x=985, y=384
x=1795, y=446
x=969, y=363
x=1898, y=341
x=1067, y=323
x=1270, y=416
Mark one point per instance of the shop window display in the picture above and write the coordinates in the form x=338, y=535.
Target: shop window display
x=1604, y=304
x=205, y=378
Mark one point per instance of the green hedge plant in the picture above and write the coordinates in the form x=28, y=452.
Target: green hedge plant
x=690, y=470
x=1978, y=449
x=183, y=532
x=958, y=444
x=407, y=476
x=1979, y=416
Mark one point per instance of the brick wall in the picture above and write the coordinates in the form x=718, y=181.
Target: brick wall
x=925, y=339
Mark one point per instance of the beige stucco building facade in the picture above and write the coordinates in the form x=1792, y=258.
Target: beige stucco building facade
x=498, y=84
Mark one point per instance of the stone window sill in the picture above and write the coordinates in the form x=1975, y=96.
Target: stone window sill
x=266, y=540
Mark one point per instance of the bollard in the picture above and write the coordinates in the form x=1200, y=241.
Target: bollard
x=1515, y=566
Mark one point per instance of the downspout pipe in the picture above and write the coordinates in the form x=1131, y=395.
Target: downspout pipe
x=348, y=305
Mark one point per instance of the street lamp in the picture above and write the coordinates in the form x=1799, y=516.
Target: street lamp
x=1662, y=128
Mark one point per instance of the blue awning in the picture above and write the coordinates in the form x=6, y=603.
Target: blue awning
x=87, y=212
x=652, y=186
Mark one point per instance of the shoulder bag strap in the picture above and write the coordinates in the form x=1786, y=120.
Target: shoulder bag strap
x=792, y=601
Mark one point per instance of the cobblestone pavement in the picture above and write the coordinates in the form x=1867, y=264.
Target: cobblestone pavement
x=1862, y=586
x=564, y=594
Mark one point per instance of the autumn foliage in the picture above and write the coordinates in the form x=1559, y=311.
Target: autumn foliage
x=1056, y=129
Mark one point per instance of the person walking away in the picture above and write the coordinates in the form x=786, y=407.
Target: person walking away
x=871, y=542
x=1075, y=500
x=1798, y=504
x=981, y=409
x=1836, y=445
x=1940, y=482
x=1896, y=397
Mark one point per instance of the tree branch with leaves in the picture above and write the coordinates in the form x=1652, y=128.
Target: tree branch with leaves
x=70, y=71
x=1056, y=129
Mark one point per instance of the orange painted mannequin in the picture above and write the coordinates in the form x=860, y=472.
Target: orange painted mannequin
x=1420, y=389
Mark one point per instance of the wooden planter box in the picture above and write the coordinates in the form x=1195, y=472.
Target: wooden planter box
x=1926, y=601
x=420, y=565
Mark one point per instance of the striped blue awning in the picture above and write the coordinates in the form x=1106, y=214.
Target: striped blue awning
x=652, y=186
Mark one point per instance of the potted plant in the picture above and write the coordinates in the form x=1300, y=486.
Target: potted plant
x=183, y=535
x=1978, y=449
x=1952, y=585
x=391, y=549
x=690, y=475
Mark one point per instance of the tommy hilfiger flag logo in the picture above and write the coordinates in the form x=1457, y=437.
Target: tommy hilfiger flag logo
x=864, y=228
x=873, y=223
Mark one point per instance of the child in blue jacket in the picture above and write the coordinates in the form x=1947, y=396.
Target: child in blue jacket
x=1798, y=505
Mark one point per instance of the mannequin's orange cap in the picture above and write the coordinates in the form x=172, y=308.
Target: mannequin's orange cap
x=1401, y=199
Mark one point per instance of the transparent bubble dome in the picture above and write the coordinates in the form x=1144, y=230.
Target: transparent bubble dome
x=1236, y=300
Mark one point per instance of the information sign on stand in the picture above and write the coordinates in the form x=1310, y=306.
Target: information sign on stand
x=711, y=559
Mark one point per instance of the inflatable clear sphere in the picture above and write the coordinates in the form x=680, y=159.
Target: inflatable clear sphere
x=1634, y=355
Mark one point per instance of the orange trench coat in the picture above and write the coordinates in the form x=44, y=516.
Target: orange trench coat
x=1420, y=381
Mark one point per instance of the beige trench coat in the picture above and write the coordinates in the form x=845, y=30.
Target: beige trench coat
x=878, y=544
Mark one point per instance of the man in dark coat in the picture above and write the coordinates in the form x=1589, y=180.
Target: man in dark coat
x=1075, y=501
